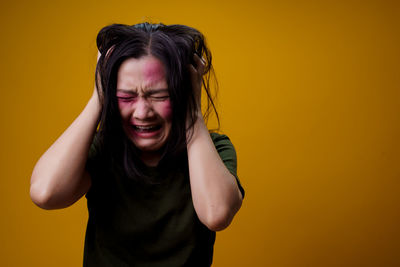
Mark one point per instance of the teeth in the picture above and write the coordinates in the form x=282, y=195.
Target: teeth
x=144, y=127
x=150, y=128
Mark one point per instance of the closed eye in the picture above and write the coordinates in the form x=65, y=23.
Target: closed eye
x=159, y=98
x=157, y=94
x=125, y=98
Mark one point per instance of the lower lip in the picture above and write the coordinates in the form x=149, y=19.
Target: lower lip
x=145, y=134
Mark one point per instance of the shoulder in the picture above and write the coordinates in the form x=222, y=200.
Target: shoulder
x=218, y=138
x=227, y=153
x=225, y=149
x=222, y=143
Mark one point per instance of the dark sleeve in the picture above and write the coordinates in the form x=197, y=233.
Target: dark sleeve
x=92, y=165
x=227, y=153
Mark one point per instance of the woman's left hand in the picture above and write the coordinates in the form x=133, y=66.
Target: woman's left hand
x=215, y=194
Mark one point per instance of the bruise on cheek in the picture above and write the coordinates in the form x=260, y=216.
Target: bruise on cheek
x=122, y=104
x=166, y=109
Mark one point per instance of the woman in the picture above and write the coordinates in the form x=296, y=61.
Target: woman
x=158, y=184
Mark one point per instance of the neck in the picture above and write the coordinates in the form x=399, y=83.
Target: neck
x=151, y=159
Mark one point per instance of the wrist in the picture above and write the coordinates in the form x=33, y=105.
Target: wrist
x=95, y=99
x=94, y=106
x=199, y=128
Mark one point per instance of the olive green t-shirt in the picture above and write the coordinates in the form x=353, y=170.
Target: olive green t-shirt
x=132, y=224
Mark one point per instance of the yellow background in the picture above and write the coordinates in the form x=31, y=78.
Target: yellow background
x=309, y=94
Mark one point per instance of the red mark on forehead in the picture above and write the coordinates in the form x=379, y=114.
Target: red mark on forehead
x=153, y=69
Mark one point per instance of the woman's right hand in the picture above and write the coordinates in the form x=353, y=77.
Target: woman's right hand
x=97, y=93
x=59, y=177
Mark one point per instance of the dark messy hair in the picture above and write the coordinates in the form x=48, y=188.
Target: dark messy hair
x=174, y=46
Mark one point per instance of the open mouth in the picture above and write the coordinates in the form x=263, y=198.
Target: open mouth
x=147, y=128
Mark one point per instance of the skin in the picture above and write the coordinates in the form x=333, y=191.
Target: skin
x=215, y=194
x=59, y=178
x=143, y=101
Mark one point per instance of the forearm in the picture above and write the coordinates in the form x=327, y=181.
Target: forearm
x=216, y=197
x=59, y=177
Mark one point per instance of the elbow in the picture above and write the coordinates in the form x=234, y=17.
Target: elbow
x=41, y=194
x=218, y=223
x=40, y=197
x=49, y=194
x=48, y=201
x=220, y=219
x=45, y=200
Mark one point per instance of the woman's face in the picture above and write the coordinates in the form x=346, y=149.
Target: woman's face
x=144, y=103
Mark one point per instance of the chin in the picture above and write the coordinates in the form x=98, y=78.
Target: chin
x=148, y=145
x=154, y=147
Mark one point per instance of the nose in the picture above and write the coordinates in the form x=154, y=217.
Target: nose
x=143, y=109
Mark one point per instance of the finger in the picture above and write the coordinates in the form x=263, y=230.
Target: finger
x=109, y=51
x=200, y=64
x=199, y=61
x=193, y=72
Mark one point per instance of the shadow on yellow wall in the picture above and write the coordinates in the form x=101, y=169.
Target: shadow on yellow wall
x=309, y=94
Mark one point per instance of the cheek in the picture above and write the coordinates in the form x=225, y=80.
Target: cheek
x=165, y=110
x=124, y=108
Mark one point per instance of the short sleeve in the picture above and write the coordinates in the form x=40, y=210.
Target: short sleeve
x=227, y=153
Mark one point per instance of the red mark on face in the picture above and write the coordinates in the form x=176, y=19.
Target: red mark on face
x=144, y=103
x=153, y=71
